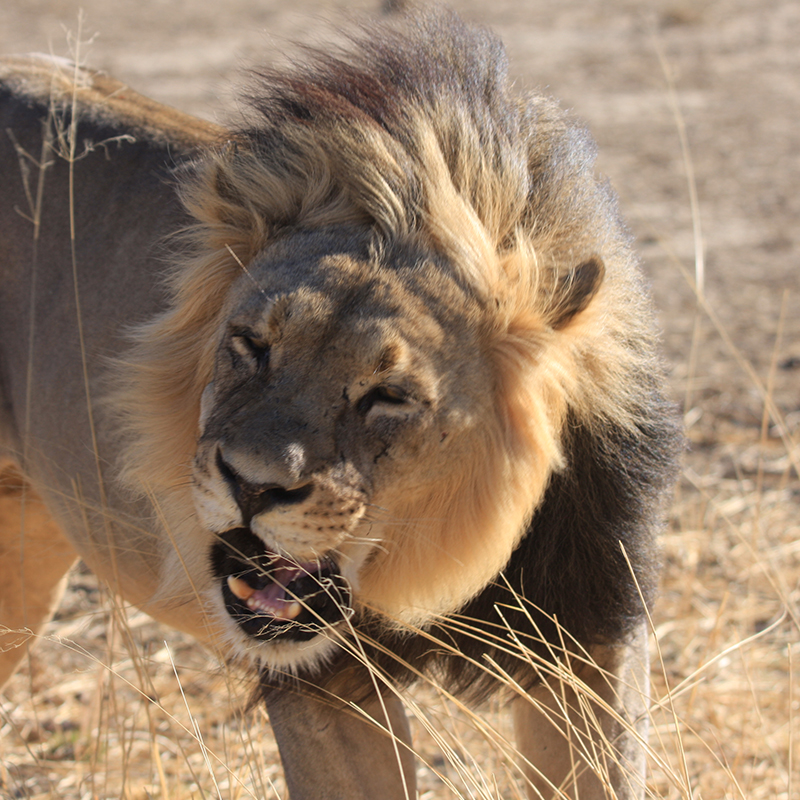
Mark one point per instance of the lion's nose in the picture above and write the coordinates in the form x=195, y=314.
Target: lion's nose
x=256, y=498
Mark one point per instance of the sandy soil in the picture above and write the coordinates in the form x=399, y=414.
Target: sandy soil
x=734, y=66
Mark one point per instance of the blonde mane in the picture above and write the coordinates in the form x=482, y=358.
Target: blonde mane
x=397, y=410
x=503, y=188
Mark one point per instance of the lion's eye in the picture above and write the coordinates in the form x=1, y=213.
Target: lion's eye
x=390, y=395
x=247, y=347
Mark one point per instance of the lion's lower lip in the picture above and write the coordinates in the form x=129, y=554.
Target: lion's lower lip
x=270, y=596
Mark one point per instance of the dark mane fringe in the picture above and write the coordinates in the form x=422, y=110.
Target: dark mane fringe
x=365, y=126
x=361, y=136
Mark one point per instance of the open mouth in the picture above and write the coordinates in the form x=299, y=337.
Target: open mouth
x=270, y=596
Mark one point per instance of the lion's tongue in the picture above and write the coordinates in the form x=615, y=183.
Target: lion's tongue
x=272, y=599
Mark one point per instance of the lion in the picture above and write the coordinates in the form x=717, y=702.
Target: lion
x=361, y=388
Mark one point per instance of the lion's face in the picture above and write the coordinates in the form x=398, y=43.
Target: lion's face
x=340, y=427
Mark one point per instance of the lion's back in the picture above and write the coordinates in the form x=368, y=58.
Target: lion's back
x=84, y=214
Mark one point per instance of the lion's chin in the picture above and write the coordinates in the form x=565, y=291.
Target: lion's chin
x=270, y=597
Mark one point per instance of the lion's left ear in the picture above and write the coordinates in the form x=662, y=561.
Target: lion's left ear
x=575, y=291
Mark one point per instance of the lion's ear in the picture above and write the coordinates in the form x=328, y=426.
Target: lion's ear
x=575, y=291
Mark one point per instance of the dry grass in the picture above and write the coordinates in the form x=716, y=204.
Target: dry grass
x=111, y=705
x=104, y=711
x=728, y=631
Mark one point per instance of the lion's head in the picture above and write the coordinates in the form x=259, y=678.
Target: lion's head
x=403, y=281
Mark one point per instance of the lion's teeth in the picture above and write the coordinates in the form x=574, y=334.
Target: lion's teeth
x=292, y=610
x=281, y=610
x=239, y=588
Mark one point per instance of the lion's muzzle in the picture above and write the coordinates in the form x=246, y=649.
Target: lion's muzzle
x=270, y=596
x=254, y=499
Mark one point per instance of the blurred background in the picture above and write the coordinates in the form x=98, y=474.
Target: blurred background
x=696, y=110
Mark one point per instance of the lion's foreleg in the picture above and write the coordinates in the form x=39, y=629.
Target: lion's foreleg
x=35, y=558
x=330, y=751
x=586, y=737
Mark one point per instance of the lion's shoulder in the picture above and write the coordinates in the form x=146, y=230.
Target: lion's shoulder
x=60, y=85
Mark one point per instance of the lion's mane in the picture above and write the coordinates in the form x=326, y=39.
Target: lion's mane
x=429, y=146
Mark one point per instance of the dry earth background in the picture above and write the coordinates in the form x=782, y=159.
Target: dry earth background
x=727, y=620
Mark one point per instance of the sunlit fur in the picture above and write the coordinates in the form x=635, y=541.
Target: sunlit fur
x=442, y=159
x=525, y=511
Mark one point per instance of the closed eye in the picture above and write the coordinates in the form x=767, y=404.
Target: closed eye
x=247, y=347
x=389, y=395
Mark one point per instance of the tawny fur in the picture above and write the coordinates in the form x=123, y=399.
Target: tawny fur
x=443, y=160
x=388, y=216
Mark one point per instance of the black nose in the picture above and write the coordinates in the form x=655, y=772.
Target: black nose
x=256, y=498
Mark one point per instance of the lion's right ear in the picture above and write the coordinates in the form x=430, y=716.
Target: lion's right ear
x=575, y=291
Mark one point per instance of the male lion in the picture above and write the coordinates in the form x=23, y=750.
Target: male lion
x=395, y=411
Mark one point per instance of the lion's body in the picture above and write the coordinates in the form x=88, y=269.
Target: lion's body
x=404, y=352
x=119, y=252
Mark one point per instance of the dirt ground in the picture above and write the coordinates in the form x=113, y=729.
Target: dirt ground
x=724, y=74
